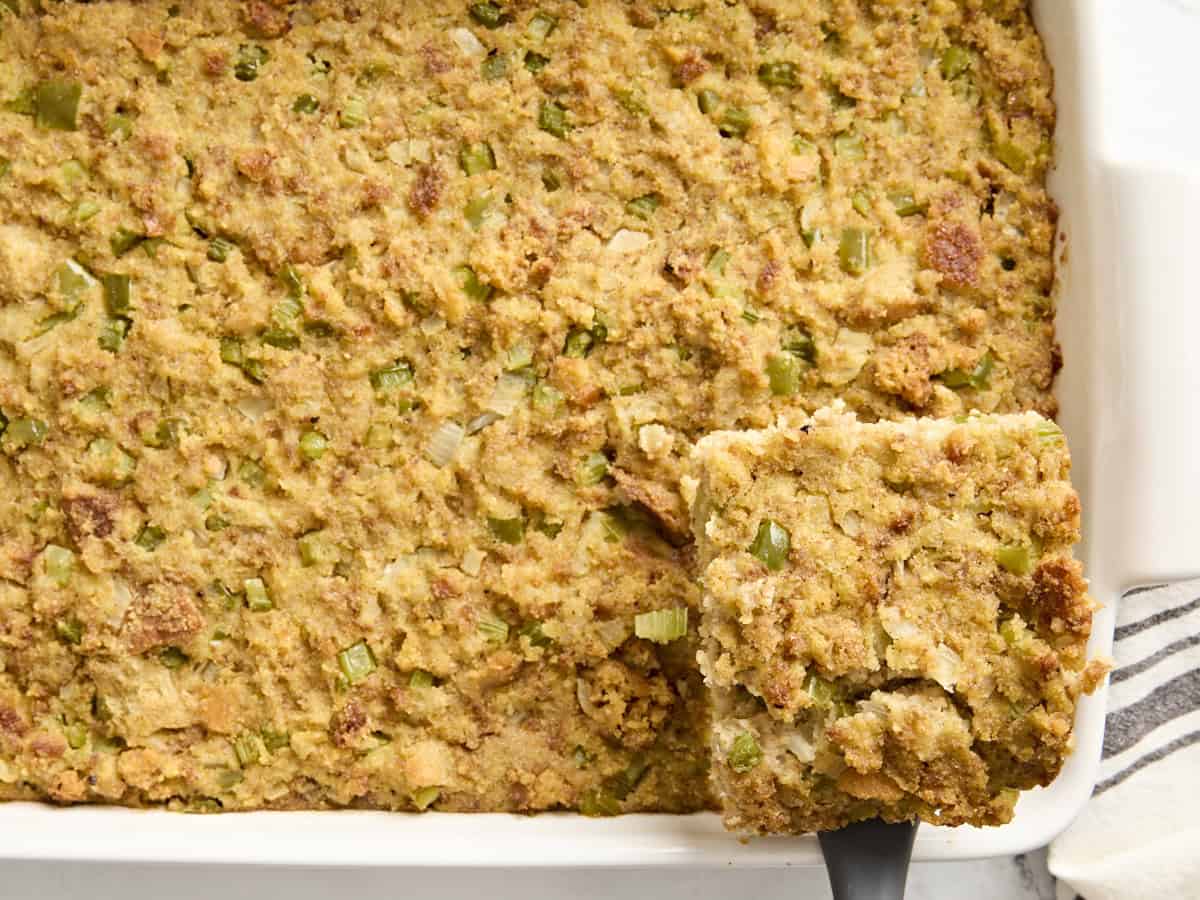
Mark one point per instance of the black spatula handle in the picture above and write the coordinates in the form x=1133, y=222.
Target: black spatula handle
x=868, y=860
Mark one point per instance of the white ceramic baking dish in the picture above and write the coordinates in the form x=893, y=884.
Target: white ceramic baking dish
x=1128, y=397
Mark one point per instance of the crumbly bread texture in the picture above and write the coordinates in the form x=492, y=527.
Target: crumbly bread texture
x=909, y=639
x=583, y=234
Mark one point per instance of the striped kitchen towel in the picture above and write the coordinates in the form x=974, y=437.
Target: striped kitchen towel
x=1139, y=836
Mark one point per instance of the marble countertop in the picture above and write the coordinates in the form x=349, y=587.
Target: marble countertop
x=1021, y=878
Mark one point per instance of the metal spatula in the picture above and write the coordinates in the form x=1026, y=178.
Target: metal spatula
x=868, y=860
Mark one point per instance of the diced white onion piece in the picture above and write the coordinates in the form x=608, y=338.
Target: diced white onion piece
x=508, y=392
x=800, y=747
x=467, y=42
x=473, y=561
x=895, y=625
x=627, y=241
x=444, y=442
x=946, y=667
x=253, y=407
x=397, y=152
x=482, y=421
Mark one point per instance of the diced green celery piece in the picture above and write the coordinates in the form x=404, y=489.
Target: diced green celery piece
x=314, y=550
x=56, y=104
x=394, y=378
x=219, y=249
x=229, y=779
x=541, y=25
x=5, y=165
x=487, y=14
x=113, y=331
x=623, y=783
x=1015, y=558
x=356, y=662
x=471, y=284
x=275, y=740
x=73, y=173
x=597, y=802
x=822, y=691
x=254, y=370
x=1012, y=156
x=124, y=240
x=708, y=101
x=59, y=562
x=632, y=100
x=798, y=342
x=493, y=628
x=785, y=374
x=578, y=343
x=476, y=210
x=306, y=104
x=1049, y=433
x=854, y=250
x=165, y=434
x=420, y=679
x=745, y=754
x=250, y=57
x=477, y=158
x=252, y=473
x=83, y=210
x=751, y=315
x=116, y=293
x=246, y=748
x=172, y=657
x=735, y=122
x=150, y=537
x=425, y=797
x=118, y=127
x=593, y=469
x=717, y=261
x=77, y=735
x=258, y=598
x=547, y=398
x=644, y=206
x=977, y=378
x=861, y=201
x=69, y=630
x=114, y=466
x=494, y=66
x=353, y=113
x=25, y=432
x=848, y=145
x=771, y=544
x=532, y=631
x=662, y=625
x=313, y=445
x=280, y=338
x=552, y=118
x=535, y=62
x=510, y=531
x=905, y=203
x=955, y=61
x=378, y=437
x=777, y=74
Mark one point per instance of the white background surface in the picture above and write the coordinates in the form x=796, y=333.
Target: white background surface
x=1024, y=878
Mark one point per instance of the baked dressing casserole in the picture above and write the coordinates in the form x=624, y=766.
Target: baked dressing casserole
x=352, y=356
x=894, y=623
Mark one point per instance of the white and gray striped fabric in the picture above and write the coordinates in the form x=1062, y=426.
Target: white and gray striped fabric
x=1139, y=836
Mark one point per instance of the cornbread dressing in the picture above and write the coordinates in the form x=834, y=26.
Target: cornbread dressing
x=894, y=624
x=352, y=355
